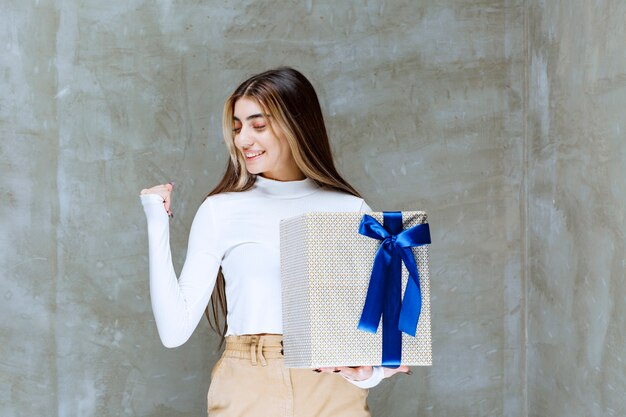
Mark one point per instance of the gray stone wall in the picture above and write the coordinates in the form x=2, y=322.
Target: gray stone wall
x=577, y=207
x=500, y=118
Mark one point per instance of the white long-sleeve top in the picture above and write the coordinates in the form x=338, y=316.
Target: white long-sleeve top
x=240, y=232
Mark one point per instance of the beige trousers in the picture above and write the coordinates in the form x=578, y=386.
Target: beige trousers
x=250, y=380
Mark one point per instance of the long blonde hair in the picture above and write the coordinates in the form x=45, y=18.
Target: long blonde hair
x=290, y=100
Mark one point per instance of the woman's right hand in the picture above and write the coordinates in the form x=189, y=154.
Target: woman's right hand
x=165, y=191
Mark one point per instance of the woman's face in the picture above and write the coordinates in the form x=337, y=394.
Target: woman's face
x=265, y=149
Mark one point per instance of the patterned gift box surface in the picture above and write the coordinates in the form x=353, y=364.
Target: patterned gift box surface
x=326, y=266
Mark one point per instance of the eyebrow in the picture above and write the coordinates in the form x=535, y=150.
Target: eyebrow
x=254, y=116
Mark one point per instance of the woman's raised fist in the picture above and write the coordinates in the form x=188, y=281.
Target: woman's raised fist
x=165, y=191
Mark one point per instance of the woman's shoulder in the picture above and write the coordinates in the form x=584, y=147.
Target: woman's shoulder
x=223, y=200
x=228, y=202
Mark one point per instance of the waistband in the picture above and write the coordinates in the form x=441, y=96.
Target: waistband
x=256, y=348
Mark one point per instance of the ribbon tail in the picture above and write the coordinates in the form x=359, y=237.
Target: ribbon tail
x=392, y=337
x=412, y=301
x=374, y=300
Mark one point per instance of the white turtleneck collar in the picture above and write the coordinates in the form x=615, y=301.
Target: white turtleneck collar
x=285, y=189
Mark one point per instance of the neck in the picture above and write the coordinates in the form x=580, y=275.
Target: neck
x=288, y=172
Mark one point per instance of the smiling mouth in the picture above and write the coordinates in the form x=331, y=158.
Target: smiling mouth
x=253, y=156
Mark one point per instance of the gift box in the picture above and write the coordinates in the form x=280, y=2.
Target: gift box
x=340, y=271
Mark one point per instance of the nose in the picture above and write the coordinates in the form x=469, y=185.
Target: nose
x=243, y=139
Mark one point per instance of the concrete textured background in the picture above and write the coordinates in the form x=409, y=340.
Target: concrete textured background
x=501, y=118
x=576, y=165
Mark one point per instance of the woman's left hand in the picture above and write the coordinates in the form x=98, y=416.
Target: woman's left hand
x=360, y=373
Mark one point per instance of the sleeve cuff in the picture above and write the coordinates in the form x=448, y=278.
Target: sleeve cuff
x=150, y=199
x=153, y=208
x=378, y=375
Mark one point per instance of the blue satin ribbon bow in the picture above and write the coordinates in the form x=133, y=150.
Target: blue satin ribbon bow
x=384, y=294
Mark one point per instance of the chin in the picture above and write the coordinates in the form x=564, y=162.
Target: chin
x=257, y=170
x=254, y=171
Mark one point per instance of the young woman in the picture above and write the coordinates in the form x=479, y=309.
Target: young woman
x=280, y=166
